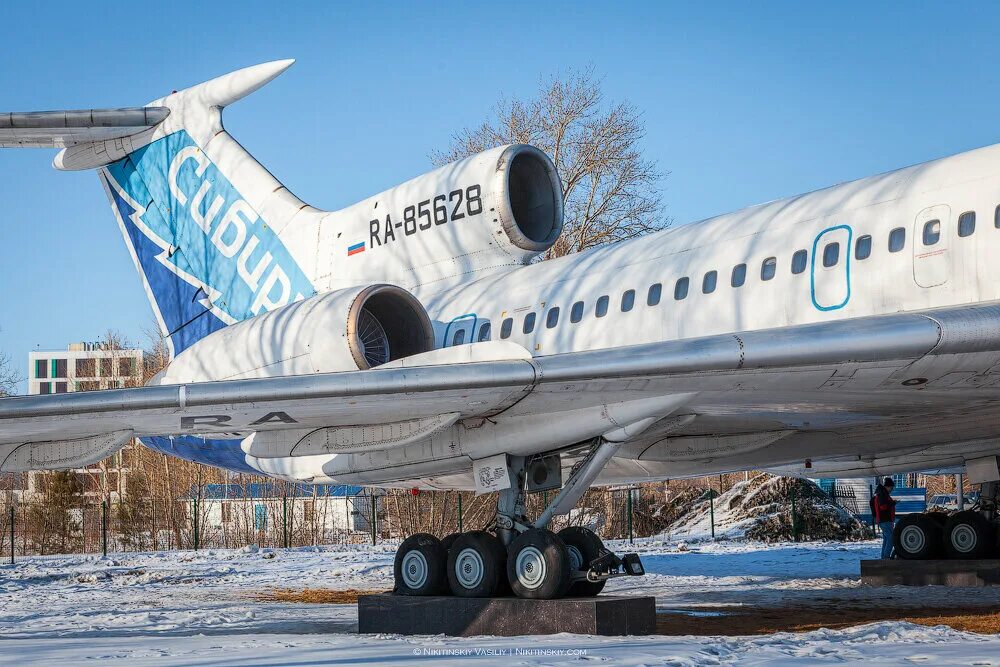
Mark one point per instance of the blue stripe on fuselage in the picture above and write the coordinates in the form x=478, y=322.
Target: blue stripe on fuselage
x=221, y=453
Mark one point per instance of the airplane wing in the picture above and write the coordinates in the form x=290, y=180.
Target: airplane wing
x=62, y=129
x=896, y=355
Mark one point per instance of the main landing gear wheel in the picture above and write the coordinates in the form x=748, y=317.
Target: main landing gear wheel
x=582, y=546
x=477, y=565
x=968, y=534
x=449, y=540
x=419, y=568
x=538, y=565
x=917, y=537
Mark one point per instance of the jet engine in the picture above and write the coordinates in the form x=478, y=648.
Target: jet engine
x=501, y=207
x=345, y=330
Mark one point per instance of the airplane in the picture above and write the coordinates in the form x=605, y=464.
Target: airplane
x=412, y=340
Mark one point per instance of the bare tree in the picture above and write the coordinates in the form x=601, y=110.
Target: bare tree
x=610, y=189
x=8, y=376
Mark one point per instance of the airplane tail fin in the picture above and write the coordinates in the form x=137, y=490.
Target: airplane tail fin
x=202, y=218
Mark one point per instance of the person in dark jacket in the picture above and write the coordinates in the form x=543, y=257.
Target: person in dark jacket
x=884, y=508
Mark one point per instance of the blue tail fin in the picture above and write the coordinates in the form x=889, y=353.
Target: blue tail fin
x=206, y=255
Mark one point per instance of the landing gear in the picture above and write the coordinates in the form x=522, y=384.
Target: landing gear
x=419, y=568
x=583, y=547
x=968, y=534
x=538, y=565
x=917, y=537
x=477, y=565
x=523, y=557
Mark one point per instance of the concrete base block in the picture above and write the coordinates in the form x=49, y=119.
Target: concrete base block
x=898, y=572
x=508, y=617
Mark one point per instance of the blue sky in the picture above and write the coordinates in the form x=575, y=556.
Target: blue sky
x=744, y=102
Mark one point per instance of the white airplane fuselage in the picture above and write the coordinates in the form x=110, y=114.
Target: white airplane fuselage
x=952, y=271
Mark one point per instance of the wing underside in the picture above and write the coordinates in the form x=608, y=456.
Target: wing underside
x=764, y=391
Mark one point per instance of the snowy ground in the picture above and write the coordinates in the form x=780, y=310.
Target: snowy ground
x=199, y=609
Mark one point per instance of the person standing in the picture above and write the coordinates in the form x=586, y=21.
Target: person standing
x=884, y=510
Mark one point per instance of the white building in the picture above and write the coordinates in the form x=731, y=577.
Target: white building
x=330, y=512
x=83, y=367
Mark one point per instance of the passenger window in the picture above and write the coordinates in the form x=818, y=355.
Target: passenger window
x=967, y=224
x=484, y=332
x=653, y=296
x=831, y=254
x=932, y=232
x=459, y=337
x=739, y=275
x=799, y=260
x=863, y=247
x=529, y=323
x=681, y=289
x=709, y=281
x=897, y=239
x=996, y=217
x=768, y=268
x=506, y=327
x=552, y=318
x=602, y=307
x=628, y=300
x=576, y=314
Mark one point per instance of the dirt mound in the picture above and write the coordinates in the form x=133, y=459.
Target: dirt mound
x=761, y=509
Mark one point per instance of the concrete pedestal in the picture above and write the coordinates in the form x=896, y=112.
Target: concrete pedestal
x=508, y=617
x=898, y=572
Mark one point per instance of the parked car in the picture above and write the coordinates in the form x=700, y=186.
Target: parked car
x=949, y=501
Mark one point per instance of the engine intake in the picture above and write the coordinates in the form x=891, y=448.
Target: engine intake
x=531, y=207
x=386, y=323
x=356, y=328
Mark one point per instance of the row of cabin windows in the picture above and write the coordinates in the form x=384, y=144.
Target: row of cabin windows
x=768, y=270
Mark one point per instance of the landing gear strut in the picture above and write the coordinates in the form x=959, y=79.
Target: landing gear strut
x=524, y=557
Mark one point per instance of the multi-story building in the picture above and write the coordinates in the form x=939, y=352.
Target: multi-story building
x=83, y=367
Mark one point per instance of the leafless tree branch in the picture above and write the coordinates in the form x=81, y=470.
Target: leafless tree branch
x=610, y=190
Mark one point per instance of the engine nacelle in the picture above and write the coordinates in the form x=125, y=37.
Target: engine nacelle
x=501, y=207
x=349, y=329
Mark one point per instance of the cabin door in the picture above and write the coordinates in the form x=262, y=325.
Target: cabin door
x=931, y=236
x=460, y=330
x=831, y=268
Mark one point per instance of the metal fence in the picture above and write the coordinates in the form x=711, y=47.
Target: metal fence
x=36, y=528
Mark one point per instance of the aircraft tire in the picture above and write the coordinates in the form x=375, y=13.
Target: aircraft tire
x=477, y=565
x=917, y=537
x=582, y=546
x=538, y=565
x=419, y=567
x=450, y=540
x=967, y=534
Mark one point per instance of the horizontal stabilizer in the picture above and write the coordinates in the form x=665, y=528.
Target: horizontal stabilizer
x=60, y=129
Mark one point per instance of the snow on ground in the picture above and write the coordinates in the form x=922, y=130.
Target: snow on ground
x=198, y=608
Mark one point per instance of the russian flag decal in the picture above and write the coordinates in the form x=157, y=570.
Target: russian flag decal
x=355, y=249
